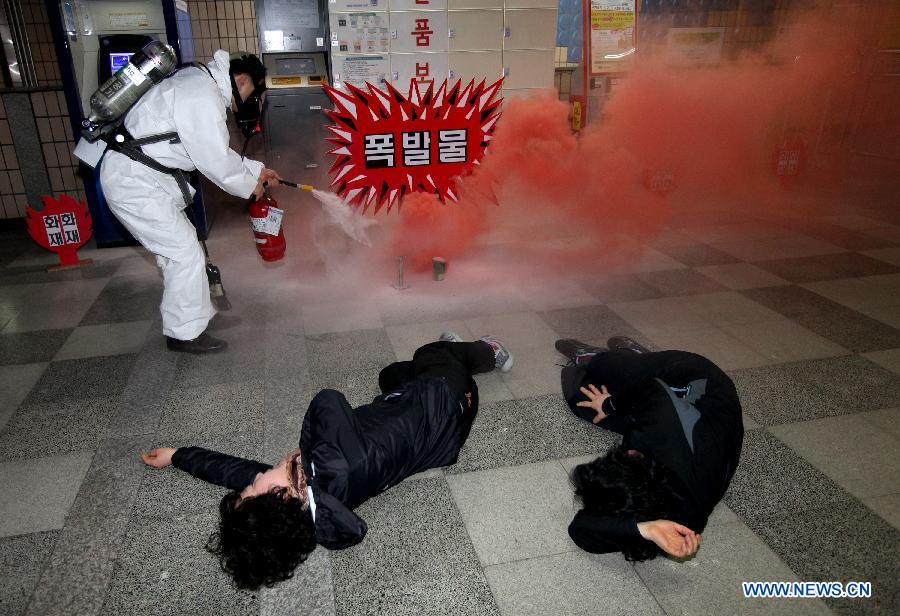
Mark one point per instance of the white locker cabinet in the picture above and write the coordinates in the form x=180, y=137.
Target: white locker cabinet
x=423, y=67
x=531, y=4
x=521, y=93
x=530, y=29
x=359, y=33
x=418, y=31
x=528, y=68
x=358, y=69
x=356, y=6
x=474, y=4
x=477, y=65
x=418, y=5
x=475, y=30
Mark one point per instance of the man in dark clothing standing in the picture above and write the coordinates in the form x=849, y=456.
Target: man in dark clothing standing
x=681, y=421
x=274, y=516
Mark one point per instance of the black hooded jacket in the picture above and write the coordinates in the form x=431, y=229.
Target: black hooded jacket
x=350, y=455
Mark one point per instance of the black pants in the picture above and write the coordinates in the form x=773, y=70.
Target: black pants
x=455, y=362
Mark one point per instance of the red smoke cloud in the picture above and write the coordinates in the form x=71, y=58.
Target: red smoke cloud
x=430, y=229
x=715, y=128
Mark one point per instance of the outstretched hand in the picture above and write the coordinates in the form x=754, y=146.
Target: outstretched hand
x=160, y=457
x=672, y=538
x=595, y=400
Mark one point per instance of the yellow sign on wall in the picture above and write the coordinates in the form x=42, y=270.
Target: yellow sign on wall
x=612, y=37
x=694, y=46
x=576, y=115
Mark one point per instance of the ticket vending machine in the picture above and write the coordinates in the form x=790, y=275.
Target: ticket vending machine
x=292, y=40
x=295, y=119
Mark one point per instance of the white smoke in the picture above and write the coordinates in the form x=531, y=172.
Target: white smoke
x=343, y=215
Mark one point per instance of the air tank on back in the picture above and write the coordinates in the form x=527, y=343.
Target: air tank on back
x=145, y=68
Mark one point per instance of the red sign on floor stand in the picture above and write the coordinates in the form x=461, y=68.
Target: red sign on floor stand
x=63, y=226
x=789, y=158
x=387, y=144
x=660, y=181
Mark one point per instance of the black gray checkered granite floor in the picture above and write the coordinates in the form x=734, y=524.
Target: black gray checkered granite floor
x=803, y=312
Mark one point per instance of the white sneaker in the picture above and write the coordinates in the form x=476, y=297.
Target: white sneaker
x=503, y=359
x=450, y=337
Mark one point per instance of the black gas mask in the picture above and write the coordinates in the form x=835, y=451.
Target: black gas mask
x=248, y=111
x=248, y=114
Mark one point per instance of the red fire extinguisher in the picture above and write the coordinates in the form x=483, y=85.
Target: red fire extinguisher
x=266, y=218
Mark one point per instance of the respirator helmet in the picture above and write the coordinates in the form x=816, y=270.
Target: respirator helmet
x=248, y=114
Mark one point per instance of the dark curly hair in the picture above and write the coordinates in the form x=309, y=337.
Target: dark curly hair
x=261, y=540
x=623, y=485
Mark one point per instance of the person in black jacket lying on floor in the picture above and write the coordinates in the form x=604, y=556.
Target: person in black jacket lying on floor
x=682, y=425
x=275, y=515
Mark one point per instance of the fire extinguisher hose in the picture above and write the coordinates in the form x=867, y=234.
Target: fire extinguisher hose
x=296, y=185
x=214, y=276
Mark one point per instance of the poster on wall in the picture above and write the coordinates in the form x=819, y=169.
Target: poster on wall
x=293, y=14
x=359, y=70
x=694, y=46
x=612, y=38
x=339, y=6
x=359, y=32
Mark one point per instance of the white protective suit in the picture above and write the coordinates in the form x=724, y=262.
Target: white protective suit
x=150, y=204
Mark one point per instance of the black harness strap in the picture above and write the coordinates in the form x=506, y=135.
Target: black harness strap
x=131, y=147
x=171, y=137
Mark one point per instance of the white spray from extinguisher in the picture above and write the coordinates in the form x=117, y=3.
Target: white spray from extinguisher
x=341, y=213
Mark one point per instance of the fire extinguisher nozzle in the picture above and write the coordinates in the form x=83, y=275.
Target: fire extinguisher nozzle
x=296, y=185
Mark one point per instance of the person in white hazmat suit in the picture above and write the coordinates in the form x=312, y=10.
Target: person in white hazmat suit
x=150, y=204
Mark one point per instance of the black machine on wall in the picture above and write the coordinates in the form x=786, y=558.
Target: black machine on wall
x=292, y=42
x=295, y=119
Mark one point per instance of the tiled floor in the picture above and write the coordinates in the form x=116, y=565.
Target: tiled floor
x=804, y=314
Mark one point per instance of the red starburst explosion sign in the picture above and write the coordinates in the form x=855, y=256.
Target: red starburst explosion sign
x=62, y=226
x=387, y=144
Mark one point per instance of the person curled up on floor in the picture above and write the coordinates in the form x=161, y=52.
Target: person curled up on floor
x=682, y=429
x=274, y=516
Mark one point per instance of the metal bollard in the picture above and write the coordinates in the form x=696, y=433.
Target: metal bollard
x=438, y=268
x=401, y=282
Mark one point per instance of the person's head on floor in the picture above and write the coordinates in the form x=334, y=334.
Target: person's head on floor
x=628, y=484
x=262, y=539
